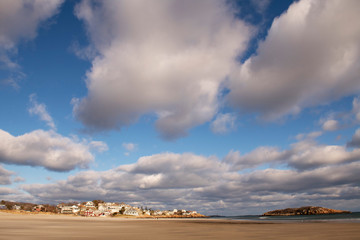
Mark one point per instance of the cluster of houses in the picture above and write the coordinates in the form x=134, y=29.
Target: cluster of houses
x=4, y=207
x=103, y=209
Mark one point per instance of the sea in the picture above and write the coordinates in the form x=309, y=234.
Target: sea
x=346, y=217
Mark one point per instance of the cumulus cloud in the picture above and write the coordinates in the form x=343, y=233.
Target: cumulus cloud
x=330, y=125
x=98, y=146
x=310, y=56
x=308, y=154
x=170, y=170
x=206, y=183
x=223, y=123
x=4, y=191
x=259, y=156
x=302, y=155
x=15, y=195
x=309, y=136
x=164, y=179
x=5, y=176
x=45, y=148
x=279, y=187
x=39, y=109
x=355, y=140
x=19, y=20
x=163, y=57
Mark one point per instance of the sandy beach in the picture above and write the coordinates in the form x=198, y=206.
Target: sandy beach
x=15, y=226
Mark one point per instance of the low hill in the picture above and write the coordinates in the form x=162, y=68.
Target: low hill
x=308, y=210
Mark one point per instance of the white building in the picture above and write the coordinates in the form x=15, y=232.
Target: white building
x=89, y=204
x=114, y=208
x=102, y=207
x=75, y=208
x=111, y=207
x=69, y=209
x=158, y=213
x=66, y=210
x=131, y=212
x=16, y=207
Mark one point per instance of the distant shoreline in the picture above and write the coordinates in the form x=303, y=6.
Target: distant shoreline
x=252, y=219
x=26, y=213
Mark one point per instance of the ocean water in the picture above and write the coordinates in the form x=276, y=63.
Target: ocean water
x=348, y=217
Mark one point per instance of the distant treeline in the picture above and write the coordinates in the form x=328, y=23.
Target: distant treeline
x=27, y=206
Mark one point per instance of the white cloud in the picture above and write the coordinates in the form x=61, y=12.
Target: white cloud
x=330, y=125
x=163, y=57
x=15, y=195
x=45, y=148
x=294, y=181
x=165, y=178
x=19, y=20
x=309, y=136
x=310, y=56
x=192, y=181
x=7, y=191
x=19, y=179
x=39, y=109
x=302, y=155
x=5, y=176
x=98, y=146
x=129, y=146
x=308, y=154
x=223, y=123
x=259, y=156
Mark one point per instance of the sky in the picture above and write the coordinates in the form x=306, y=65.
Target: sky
x=224, y=107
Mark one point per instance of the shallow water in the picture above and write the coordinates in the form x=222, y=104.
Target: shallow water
x=348, y=217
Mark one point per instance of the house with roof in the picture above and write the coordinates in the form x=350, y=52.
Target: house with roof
x=158, y=213
x=39, y=208
x=89, y=204
x=131, y=212
x=66, y=210
x=75, y=208
x=102, y=207
x=147, y=212
x=88, y=213
x=16, y=207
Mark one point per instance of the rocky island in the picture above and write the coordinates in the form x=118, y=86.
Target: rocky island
x=308, y=210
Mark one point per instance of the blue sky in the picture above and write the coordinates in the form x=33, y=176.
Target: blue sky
x=226, y=107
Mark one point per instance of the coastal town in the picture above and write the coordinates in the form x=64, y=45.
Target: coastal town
x=99, y=208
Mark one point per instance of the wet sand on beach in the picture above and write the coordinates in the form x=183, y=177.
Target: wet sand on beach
x=15, y=226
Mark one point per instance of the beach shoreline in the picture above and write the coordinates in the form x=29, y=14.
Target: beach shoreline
x=42, y=226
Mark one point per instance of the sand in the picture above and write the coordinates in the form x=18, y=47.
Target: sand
x=15, y=226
